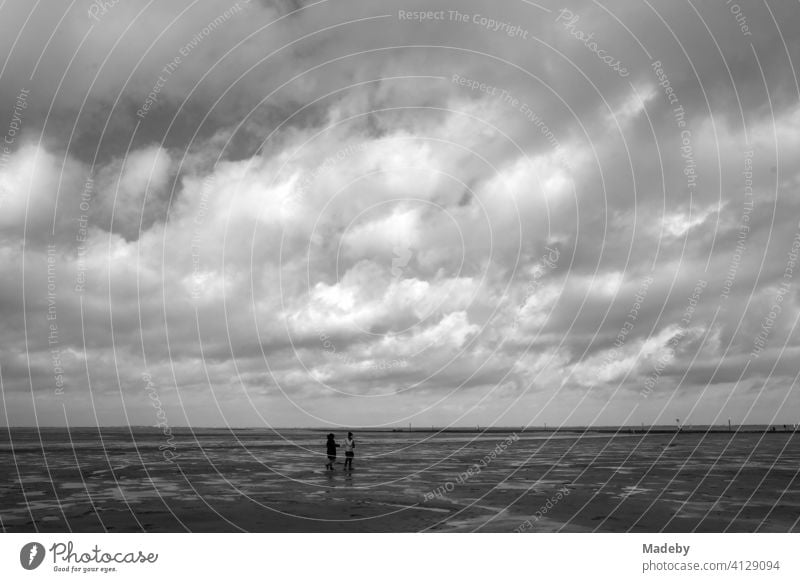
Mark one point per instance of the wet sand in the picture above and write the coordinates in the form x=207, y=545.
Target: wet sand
x=255, y=480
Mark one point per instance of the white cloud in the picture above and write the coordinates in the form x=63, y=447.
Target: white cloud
x=399, y=218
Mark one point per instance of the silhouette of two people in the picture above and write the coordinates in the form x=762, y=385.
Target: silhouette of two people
x=349, y=451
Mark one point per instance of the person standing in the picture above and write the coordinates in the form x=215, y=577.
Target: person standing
x=331, y=446
x=349, y=451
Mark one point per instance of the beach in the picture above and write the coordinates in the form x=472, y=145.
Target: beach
x=506, y=480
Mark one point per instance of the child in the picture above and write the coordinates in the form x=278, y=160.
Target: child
x=331, y=446
x=349, y=451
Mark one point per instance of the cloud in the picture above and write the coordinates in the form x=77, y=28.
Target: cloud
x=132, y=192
x=291, y=214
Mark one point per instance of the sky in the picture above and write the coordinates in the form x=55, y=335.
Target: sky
x=344, y=213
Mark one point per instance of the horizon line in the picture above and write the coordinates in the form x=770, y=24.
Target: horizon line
x=411, y=428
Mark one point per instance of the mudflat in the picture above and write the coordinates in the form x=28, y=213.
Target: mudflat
x=86, y=480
